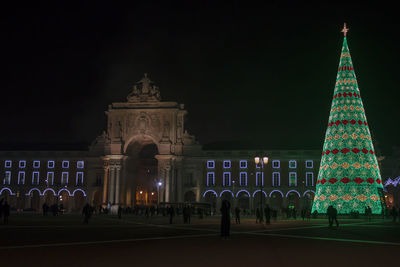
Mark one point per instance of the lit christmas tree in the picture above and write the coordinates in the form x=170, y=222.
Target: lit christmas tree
x=349, y=176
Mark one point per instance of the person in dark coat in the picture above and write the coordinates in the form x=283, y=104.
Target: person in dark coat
x=258, y=215
x=237, y=215
x=119, y=212
x=171, y=213
x=86, y=213
x=1, y=207
x=225, y=219
x=6, y=212
x=267, y=212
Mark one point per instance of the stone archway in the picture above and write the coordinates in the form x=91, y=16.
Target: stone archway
x=140, y=173
x=308, y=199
x=35, y=200
x=276, y=201
x=79, y=201
x=243, y=201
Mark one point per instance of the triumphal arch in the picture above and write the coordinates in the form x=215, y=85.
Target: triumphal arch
x=146, y=149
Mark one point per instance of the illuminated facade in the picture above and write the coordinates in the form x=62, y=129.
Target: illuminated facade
x=146, y=156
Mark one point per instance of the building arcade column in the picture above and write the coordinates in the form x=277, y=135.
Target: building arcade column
x=167, y=183
x=117, y=184
x=111, y=190
x=105, y=181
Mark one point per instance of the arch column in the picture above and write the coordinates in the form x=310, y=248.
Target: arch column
x=105, y=180
x=111, y=191
x=117, y=184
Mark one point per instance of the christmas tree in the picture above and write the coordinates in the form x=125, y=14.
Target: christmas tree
x=349, y=177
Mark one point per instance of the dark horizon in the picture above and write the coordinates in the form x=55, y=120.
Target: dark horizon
x=263, y=73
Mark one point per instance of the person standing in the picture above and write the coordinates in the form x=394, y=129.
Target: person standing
x=330, y=213
x=119, y=212
x=86, y=213
x=171, y=214
x=6, y=212
x=394, y=213
x=225, y=219
x=267, y=212
x=258, y=215
x=237, y=215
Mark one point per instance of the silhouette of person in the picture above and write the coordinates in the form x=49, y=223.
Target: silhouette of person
x=267, y=212
x=225, y=219
x=6, y=212
x=119, y=212
x=86, y=213
x=237, y=215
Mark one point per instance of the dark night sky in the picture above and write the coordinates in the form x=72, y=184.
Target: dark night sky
x=244, y=71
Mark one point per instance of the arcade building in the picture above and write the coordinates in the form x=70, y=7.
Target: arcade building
x=146, y=157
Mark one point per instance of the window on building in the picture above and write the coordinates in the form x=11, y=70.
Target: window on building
x=8, y=164
x=210, y=164
x=227, y=164
x=292, y=164
x=50, y=164
x=309, y=164
x=64, y=178
x=50, y=178
x=21, y=177
x=276, y=164
x=292, y=179
x=210, y=178
x=309, y=179
x=276, y=179
x=35, y=177
x=226, y=179
x=243, y=164
x=22, y=164
x=65, y=164
x=7, y=177
x=80, y=164
x=79, y=178
x=259, y=179
x=243, y=179
x=36, y=164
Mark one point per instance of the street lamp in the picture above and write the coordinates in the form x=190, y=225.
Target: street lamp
x=158, y=193
x=261, y=163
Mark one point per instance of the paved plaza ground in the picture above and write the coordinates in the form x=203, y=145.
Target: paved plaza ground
x=34, y=240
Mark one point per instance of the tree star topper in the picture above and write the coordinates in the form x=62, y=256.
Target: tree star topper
x=345, y=30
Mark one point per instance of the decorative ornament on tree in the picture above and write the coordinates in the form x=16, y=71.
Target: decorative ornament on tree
x=349, y=176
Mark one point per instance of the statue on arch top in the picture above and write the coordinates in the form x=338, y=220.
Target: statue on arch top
x=144, y=90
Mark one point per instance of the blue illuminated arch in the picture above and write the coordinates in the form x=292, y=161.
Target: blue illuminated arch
x=276, y=190
x=49, y=189
x=243, y=190
x=64, y=189
x=212, y=191
x=33, y=189
x=258, y=190
x=308, y=191
x=83, y=192
x=226, y=190
x=8, y=189
x=290, y=191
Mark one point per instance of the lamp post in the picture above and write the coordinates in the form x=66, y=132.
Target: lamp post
x=158, y=193
x=261, y=163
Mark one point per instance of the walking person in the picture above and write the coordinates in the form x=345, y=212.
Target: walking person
x=237, y=215
x=6, y=212
x=86, y=213
x=171, y=212
x=394, y=213
x=225, y=219
x=330, y=215
x=267, y=212
x=258, y=215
